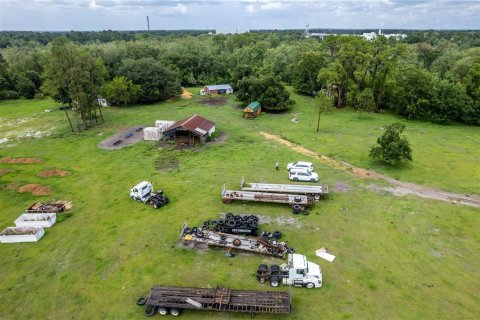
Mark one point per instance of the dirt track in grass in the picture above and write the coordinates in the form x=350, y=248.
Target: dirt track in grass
x=398, y=188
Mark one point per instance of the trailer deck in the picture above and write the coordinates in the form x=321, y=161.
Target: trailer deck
x=235, y=241
x=220, y=299
x=316, y=191
x=39, y=207
x=291, y=199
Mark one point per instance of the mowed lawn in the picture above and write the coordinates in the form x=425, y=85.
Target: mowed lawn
x=397, y=257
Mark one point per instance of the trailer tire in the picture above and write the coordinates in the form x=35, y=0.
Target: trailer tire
x=317, y=197
x=150, y=310
x=220, y=228
x=223, y=237
x=220, y=222
x=175, y=312
x=254, y=224
x=237, y=242
x=277, y=234
x=309, y=285
x=274, y=282
x=229, y=216
x=141, y=301
x=162, y=311
x=231, y=223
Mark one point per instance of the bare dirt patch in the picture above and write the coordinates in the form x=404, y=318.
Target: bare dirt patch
x=35, y=189
x=222, y=137
x=186, y=94
x=341, y=187
x=11, y=160
x=54, y=173
x=113, y=144
x=3, y=171
x=279, y=220
x=214, y=102
x=398, y=188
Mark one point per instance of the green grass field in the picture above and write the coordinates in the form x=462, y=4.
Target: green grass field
x=397, y=257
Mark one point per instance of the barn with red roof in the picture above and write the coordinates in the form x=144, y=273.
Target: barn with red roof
x=192, y=130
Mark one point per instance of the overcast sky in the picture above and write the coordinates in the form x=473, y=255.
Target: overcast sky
x=80, y=15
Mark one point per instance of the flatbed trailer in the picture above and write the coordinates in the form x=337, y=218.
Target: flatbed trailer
x=234, y=242
x=317, y=192
x=39, y=207
x=299, y=203
x=168, y=299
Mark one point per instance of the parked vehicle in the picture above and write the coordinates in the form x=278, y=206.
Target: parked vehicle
x=297, y=272
x=315, y=191
x=300, y=165
x=166, y=299
x=302, y=175
x=143, y=192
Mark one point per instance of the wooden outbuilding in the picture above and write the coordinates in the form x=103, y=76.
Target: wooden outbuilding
x=191, y=130
x=252, y=110
x=216, y=89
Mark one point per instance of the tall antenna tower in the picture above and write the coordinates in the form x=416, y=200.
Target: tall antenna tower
x=148, y=23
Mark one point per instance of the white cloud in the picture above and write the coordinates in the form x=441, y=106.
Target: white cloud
x=274, y=6
x=250, y=8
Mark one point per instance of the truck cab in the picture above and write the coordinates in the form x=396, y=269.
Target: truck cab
x=303, y=273
x=142, y=191
x=297, y=272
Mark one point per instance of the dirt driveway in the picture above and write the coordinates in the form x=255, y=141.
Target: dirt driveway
x=398, y=188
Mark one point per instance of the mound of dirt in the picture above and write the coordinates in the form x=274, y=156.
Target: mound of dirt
x=214, y=102
x=11, y=160
x=54, y=173
x=36, y=189
x=186, y=94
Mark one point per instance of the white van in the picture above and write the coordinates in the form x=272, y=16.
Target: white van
x=302, y=175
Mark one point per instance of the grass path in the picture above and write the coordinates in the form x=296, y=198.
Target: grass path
x=400, y=187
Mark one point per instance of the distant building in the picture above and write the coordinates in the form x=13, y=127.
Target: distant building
x=231, y=31
x=217, y=89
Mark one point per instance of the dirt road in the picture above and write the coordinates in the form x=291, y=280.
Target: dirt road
x=399, y=188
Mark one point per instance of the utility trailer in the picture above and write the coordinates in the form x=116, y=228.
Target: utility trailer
x=39, y=207
x=166, y=299
x=317, y=192
x=234, y=223
x=299, y=203
x=234, y=242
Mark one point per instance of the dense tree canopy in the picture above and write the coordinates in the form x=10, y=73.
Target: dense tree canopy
x=431, y=74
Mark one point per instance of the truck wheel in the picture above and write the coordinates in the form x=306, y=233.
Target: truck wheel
x=157, y=205
x=274, y=282
x=262, y=267
x=166, y=200
x=150, y=310
x=162, y=311
x=312, y=180
x=317, y=197
x=141, y=301
x=275, y=268
x=295, y=179
x=262, y=279
x=175, y=312
x=310, y=285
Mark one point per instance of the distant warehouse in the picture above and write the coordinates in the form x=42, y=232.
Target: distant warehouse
x=217, y=89
x=191, y=130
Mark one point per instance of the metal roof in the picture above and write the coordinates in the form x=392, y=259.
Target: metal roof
x=219, y=87
x=254, y=106
x=194, y=123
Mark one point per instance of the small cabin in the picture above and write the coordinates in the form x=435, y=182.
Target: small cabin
x=252, y=110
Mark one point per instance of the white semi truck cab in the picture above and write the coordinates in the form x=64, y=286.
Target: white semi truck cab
x=297, y=272
x=143, y=192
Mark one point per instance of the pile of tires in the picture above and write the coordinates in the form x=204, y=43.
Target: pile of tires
x=248, y=223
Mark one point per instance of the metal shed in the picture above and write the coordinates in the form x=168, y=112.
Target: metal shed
x=252, y=110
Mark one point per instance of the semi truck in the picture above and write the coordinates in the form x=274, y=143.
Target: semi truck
x=166, y=300
x=143, y=192
x=297, y=272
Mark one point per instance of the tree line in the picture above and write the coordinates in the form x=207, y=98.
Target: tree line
x=430, y=75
